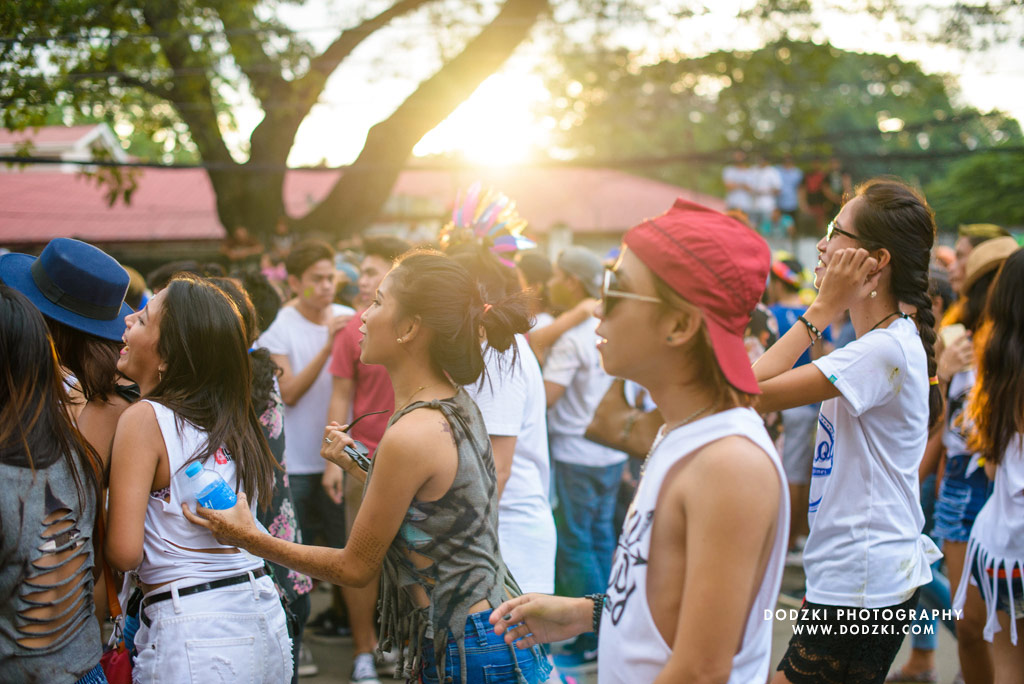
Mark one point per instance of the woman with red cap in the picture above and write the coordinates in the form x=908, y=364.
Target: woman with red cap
x=865, y=558
x=700, y=558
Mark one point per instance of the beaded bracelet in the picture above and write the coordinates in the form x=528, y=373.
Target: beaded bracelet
x=598, y=600
x=811, y=329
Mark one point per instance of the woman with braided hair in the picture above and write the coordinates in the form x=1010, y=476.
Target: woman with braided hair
x=865, y=557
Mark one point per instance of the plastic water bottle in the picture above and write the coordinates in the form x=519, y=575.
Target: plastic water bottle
x=207, y=488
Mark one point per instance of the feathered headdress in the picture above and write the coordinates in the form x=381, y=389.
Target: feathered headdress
x=489, y=219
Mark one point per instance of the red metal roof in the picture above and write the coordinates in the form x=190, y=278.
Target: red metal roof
x=46, y=134
x=179, y=204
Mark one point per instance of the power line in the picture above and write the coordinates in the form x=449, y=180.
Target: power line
x=635, y=17
x=715, y=156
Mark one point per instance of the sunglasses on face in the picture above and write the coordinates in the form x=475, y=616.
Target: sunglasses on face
x=611, y=292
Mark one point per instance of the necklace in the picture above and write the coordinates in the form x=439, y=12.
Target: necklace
x=418, y=390
x=669, y=428
x=894, y=313
x=689, y=419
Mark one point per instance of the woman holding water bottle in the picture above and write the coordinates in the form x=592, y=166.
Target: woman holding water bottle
x=210, y=611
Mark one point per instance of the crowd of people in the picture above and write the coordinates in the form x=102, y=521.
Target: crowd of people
x=779, y=200
x=507, y=468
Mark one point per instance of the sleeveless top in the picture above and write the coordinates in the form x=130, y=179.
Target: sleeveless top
x=996, y=545
x=631, y=649
x=459, y=534
x=170, y=541
x=27, y=499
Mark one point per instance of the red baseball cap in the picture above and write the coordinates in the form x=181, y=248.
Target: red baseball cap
x=717, y=264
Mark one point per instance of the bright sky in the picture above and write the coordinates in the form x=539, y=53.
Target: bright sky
x=497, y=124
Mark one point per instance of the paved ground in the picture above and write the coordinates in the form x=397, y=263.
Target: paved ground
x=335, y=658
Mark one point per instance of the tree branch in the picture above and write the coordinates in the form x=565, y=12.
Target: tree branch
x=273, y=137
x=365, y=186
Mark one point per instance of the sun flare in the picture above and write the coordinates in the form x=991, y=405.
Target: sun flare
x=495, y=126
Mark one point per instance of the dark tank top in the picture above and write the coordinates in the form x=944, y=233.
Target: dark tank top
x=458, y=534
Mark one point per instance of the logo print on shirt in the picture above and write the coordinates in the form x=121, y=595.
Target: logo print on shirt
x=628, y=555
x=221, y=456
x=823, y=453
x=824, y=450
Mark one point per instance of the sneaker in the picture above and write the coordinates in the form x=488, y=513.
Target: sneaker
x=364, y=671
x=386, y=662
x=307, y=666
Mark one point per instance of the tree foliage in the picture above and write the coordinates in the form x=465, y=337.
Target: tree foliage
x=984, y=188
x=174, y=71
x=878, y=113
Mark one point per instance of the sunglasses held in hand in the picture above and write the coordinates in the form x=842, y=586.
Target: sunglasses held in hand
x=357, y=451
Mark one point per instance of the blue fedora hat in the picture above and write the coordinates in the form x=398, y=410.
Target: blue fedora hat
x=74, y=283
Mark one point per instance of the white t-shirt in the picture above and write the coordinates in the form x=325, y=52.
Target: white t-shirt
x=295, y=336
x=739, y=198
x=542, y=319
x=865, y=547
x=765, y=183
x=575, y=364
x=511, y=401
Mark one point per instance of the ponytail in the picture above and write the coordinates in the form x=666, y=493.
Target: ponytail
x=457, y=308
x=896, y=217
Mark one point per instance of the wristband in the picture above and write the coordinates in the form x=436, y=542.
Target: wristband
x=814, y=332
x=598, y=600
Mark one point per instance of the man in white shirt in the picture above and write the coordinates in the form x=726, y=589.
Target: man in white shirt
x=765, y=185
x=737, y=180
x=299, y=341
x=586, y=474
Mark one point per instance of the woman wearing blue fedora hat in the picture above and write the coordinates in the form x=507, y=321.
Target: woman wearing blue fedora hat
x=80, y=291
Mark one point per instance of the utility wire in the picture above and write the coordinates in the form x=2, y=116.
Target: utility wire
x=716, y=156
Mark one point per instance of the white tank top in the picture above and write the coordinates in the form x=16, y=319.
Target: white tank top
x=631, y=650
x=169, y=540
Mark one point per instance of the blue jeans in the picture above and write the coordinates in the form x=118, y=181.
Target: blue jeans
x=488, y=658
x=586, y=532
x=93, y=676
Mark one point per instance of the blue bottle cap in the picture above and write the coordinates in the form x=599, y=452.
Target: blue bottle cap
x=193, y=468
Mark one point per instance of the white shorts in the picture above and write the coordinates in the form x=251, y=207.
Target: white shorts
x=233, y=634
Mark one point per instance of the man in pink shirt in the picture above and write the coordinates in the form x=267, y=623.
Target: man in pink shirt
x=359, y=389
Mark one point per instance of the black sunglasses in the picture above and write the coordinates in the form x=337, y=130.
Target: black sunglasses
x=611, y=292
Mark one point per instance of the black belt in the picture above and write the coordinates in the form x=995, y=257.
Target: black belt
x=197, y=588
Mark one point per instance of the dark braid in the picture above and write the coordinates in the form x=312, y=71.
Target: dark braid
x=899, y=219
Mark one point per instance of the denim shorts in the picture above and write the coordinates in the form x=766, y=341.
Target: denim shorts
x=960, y=499
x=233, y=634
x=488, y=658
x=94, y=676
x=1002, y=600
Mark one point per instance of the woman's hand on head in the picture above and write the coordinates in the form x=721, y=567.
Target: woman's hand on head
x=852, y=275
x=231, y=526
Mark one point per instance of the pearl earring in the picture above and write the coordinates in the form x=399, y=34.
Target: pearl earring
x=399, y=340
x=874, y=293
